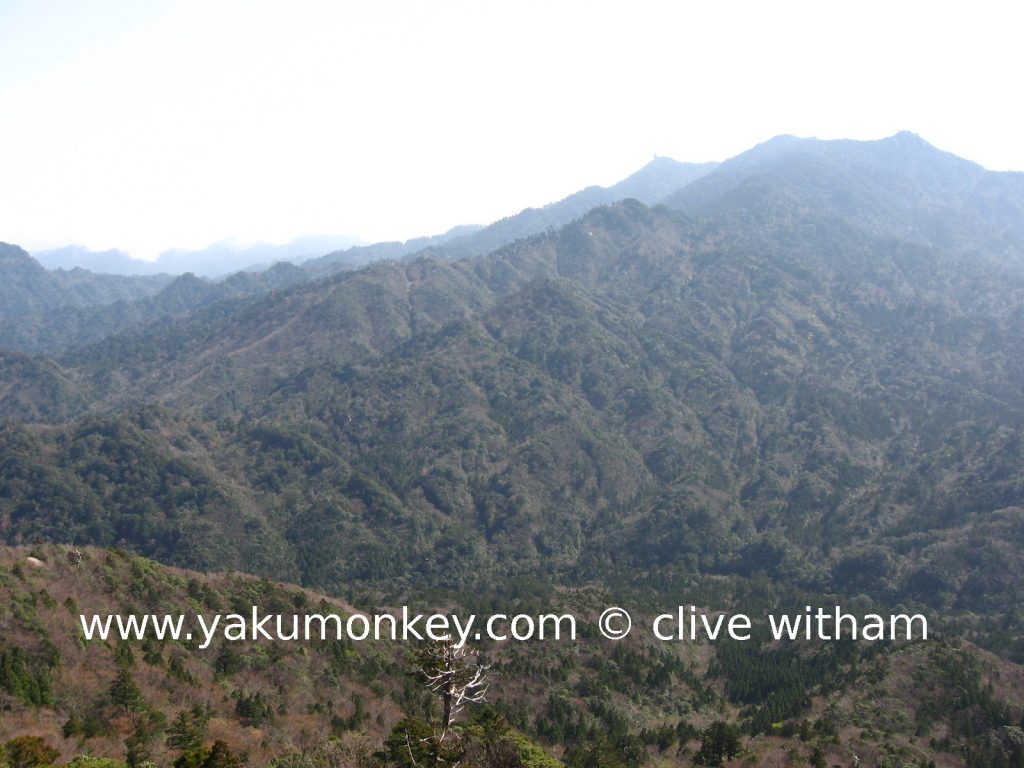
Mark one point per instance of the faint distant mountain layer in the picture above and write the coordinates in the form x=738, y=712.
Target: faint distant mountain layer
x=213, y=261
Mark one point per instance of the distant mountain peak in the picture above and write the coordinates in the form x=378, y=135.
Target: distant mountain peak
x=659, y=178
x=908, y=138
x=661, y=161
x=784, y=145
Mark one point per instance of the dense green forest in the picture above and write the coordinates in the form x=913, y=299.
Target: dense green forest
x=793, y=378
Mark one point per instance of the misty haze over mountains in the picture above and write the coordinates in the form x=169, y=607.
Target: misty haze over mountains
x=213, y=261
x=664, y=181
x=649, y=185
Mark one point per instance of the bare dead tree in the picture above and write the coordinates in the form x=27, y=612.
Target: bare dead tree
x=457, y=678
x=454, y=675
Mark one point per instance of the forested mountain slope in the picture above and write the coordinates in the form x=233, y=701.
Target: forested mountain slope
x=27, y=287
x=802, y=381
x=763, y=387
x=67, y=326
x=900, y=186
x=50, y=312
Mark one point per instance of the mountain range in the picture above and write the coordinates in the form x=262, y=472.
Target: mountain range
x=63, y=322
x=214, y=261
x=796, y=376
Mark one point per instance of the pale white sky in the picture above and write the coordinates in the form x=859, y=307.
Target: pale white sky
x=177, y=123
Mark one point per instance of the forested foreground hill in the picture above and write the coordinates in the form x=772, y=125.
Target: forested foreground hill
x=805, y=374
x=361, y=704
